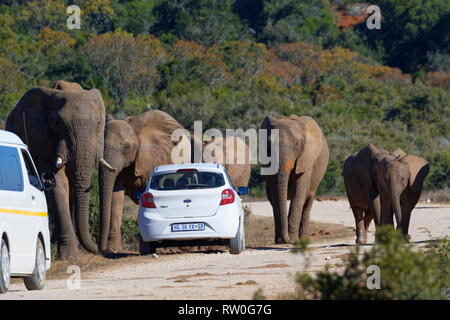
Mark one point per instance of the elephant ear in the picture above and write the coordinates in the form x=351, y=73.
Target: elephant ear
x=155, y=142
x=311, y=144
x=418, y=169
x=268, y=122
x=29, y=119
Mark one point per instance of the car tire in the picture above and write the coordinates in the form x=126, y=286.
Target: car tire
x=5, y=276
x=146, y=248
x=237, y=244
x=37, y=280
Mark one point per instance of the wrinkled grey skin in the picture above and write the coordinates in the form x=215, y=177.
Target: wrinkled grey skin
x=134, y=147
x=360, y=181
x=303, y=159
x=65, y=134
x=400, y=182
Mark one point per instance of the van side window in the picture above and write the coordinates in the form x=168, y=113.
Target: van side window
x=10, y=169
x=33, y=177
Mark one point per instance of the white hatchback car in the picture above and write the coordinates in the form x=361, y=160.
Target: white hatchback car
x=191, y=204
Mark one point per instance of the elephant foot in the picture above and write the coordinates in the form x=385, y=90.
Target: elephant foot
x=114, y=247
x=293, y=238
x=282, y=240
x=68, y=252
x=361, y=241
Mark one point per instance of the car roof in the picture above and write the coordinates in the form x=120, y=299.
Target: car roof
x=7, y=137
x=198, y=166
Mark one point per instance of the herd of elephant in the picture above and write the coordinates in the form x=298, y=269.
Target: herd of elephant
x=68, y=132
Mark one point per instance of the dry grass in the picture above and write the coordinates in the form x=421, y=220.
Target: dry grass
x=435, y=196
x=260, y=231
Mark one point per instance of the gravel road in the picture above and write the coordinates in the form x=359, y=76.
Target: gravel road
x=220, y=275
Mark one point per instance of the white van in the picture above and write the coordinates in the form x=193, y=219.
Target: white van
x=24, y=232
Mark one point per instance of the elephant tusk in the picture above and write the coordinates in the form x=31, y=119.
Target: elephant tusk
x=107, y=165
x=59, y=162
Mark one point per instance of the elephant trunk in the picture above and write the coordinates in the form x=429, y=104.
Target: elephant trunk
x=106, y=180
x=396, y=207
x=81, y=195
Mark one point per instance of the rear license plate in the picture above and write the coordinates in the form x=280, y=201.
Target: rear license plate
x=179, y=227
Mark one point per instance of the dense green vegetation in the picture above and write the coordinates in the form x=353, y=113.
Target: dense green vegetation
x=230, y=63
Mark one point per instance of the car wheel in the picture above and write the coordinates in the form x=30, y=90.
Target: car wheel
x=4, y=267
x=146, y=247
x=237, y=244
x=37, y=280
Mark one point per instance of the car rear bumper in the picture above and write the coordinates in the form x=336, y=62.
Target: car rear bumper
x=223, y=225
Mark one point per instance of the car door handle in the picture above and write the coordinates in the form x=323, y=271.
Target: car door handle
x=33, y=198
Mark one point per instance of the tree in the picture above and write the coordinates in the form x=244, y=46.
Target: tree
x=125, y=63
x=295, y=21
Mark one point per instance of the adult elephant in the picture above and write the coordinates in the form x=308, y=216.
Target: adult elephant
x=64, y=130
x=234, y=154
x=303, y=159
x=360, y=181
x=134, y=147
x=400, y=182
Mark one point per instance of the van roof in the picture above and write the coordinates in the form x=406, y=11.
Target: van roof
x=10, y=138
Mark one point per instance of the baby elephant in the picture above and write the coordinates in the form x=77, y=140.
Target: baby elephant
x=400, y=183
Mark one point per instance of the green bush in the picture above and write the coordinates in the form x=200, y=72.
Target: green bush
x=406, y=272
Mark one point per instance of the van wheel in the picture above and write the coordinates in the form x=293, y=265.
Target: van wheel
x=237, y=244
x=4, y=267
x=37, y=280
x=146, y=247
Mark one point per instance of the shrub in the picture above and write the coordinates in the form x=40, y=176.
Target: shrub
x=406, y=272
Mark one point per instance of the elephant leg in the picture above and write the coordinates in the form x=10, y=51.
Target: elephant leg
x=115, y=236
x=304, y=222
x=299, y=194
x=276, y=212
x=358, y=213
x=406, y=216
x=67, y=239
x=368, y=217
x=375, y=207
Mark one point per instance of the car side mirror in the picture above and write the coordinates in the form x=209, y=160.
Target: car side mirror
x=242, y=191
x=48, y=181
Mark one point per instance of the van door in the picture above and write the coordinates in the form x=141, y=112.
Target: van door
x=35, y=206
x=13, y=205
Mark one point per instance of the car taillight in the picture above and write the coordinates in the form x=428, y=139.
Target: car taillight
x=147, y=200
x=227, y=197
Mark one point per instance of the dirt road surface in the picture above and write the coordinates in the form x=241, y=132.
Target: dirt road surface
x=220, y=275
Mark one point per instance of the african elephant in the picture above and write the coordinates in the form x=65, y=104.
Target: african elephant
x=303, y=159
x=360, y=181
x=238, y=168
x=134, y=146
x=400, y=182
x=64, y=129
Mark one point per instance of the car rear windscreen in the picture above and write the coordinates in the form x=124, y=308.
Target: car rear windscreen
x=187, y=180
